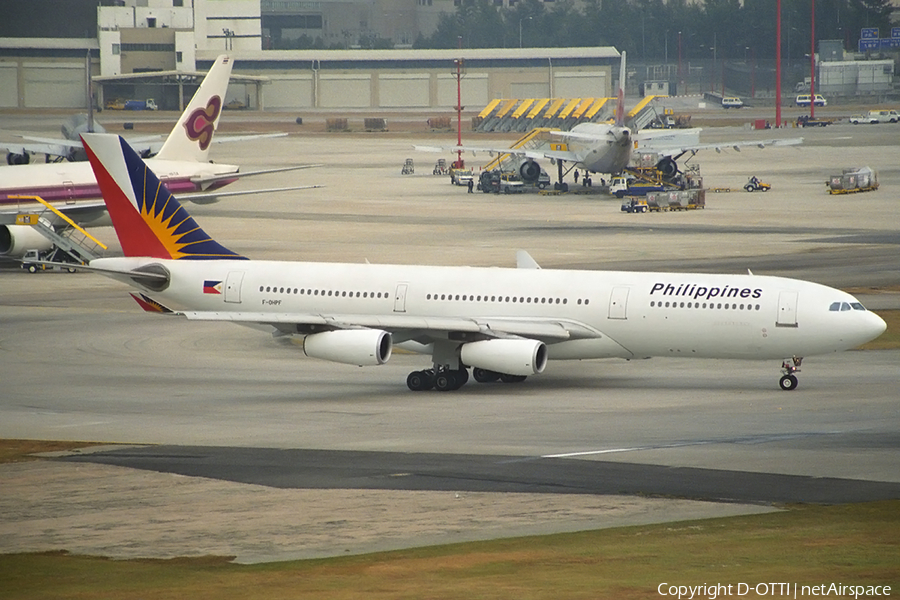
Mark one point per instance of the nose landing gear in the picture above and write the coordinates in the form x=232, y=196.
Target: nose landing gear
x=789, y=381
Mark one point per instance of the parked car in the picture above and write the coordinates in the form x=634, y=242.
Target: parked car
x=876, y=116
x=805, y=99
x=732, y=103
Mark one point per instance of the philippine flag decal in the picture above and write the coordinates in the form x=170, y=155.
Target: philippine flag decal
x=212, y=287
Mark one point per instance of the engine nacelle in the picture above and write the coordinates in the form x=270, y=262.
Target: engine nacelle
x=13, y=158
x=667, y=167
x=512, y=357
x=15, y=240
x=529, y=171
x=363, y=347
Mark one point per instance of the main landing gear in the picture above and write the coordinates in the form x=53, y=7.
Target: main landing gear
x=446, y=380
x=789, y=381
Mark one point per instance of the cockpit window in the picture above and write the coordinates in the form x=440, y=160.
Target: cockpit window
x=844, y=306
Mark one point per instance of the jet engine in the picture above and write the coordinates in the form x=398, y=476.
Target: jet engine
x=16, y=239
x=667, y=167
x=512, y=357
x=529, y=171
x=363, y=347
x=14, y=158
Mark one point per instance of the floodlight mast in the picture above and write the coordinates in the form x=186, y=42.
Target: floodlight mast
x=460, y=163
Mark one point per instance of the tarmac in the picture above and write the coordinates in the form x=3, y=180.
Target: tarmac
x=226, y=441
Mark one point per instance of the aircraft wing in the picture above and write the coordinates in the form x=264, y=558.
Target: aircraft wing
x=406, y=327
x=534, y=153
x=59, y=148
x=204, y=181
x=665, y=148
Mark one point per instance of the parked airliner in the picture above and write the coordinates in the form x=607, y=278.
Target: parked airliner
x=505, y=324
x=607, y=147
x=182, y=163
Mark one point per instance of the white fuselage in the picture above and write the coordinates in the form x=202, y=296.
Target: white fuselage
x=68, y=182
x=612, y=313
x=609, y=153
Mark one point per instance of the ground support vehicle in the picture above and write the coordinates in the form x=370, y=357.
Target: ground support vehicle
x=461, y=176
x=635, y=205
x=807, y=99
x=440, y=168
x=807, y=121
x=757, y=186
x=408, y=167
x=852, y=181
x=690, y=199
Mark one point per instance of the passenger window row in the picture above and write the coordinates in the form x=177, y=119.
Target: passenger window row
x=711, y=305
x=509, y=299
x=315, y=292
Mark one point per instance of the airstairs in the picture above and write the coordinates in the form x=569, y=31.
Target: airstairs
x=529, y=141
x=71, y=243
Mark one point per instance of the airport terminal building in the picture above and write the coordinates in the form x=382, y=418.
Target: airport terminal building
x=129, y=40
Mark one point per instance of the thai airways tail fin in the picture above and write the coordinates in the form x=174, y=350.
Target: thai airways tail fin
x=620, y=95
x=193, y=134
x=149, y=221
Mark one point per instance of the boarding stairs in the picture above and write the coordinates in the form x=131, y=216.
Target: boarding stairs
x=530, y=141
x=71, y=243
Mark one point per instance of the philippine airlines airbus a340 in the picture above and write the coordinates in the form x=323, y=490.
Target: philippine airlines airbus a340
x=505, y=324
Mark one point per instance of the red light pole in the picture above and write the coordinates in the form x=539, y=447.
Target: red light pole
x=778, y=63
x=812, y=63
x=460, y=163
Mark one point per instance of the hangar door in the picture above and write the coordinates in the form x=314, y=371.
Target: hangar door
x=573, y=84
x=9, y=86
x=54, y=86
x=404, y=91
x=474, y=90
x=285, y=93
x=345, y=91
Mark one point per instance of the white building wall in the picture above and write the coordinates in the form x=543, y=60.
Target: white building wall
x=239, y=16
x=345, y=91
x=110, y=55
x=579, y=84
x=184, y=43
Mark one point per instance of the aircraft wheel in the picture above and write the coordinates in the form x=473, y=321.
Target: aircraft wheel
x=512, y=378
x=556, y=186
x=417, y=381
x=484, y=376
x=564, y=187
x=462, y=374
x=589, y=182
x=788, y=382
x=445, y=381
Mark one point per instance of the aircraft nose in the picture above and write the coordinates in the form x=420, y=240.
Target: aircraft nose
x=875, y=325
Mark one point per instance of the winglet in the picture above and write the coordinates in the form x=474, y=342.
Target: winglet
x=149, y=221
x=620, y=95
x=193, y=134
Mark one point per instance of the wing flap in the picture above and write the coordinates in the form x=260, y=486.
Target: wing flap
x=437, y=327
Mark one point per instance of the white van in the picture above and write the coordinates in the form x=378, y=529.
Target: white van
x=732, y=103
x=805, y=99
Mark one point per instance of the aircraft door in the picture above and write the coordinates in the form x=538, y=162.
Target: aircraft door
x=233, y=287
x=787, y=309
x=400, y=297
x=618, y=303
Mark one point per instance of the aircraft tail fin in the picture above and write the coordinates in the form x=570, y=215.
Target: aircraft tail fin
x=620, y=94
x=192, y=135
x=149, y=221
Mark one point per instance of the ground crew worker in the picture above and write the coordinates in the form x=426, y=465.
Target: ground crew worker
x=471, y=185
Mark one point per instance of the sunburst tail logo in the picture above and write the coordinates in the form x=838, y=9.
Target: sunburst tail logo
x=149, y=221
